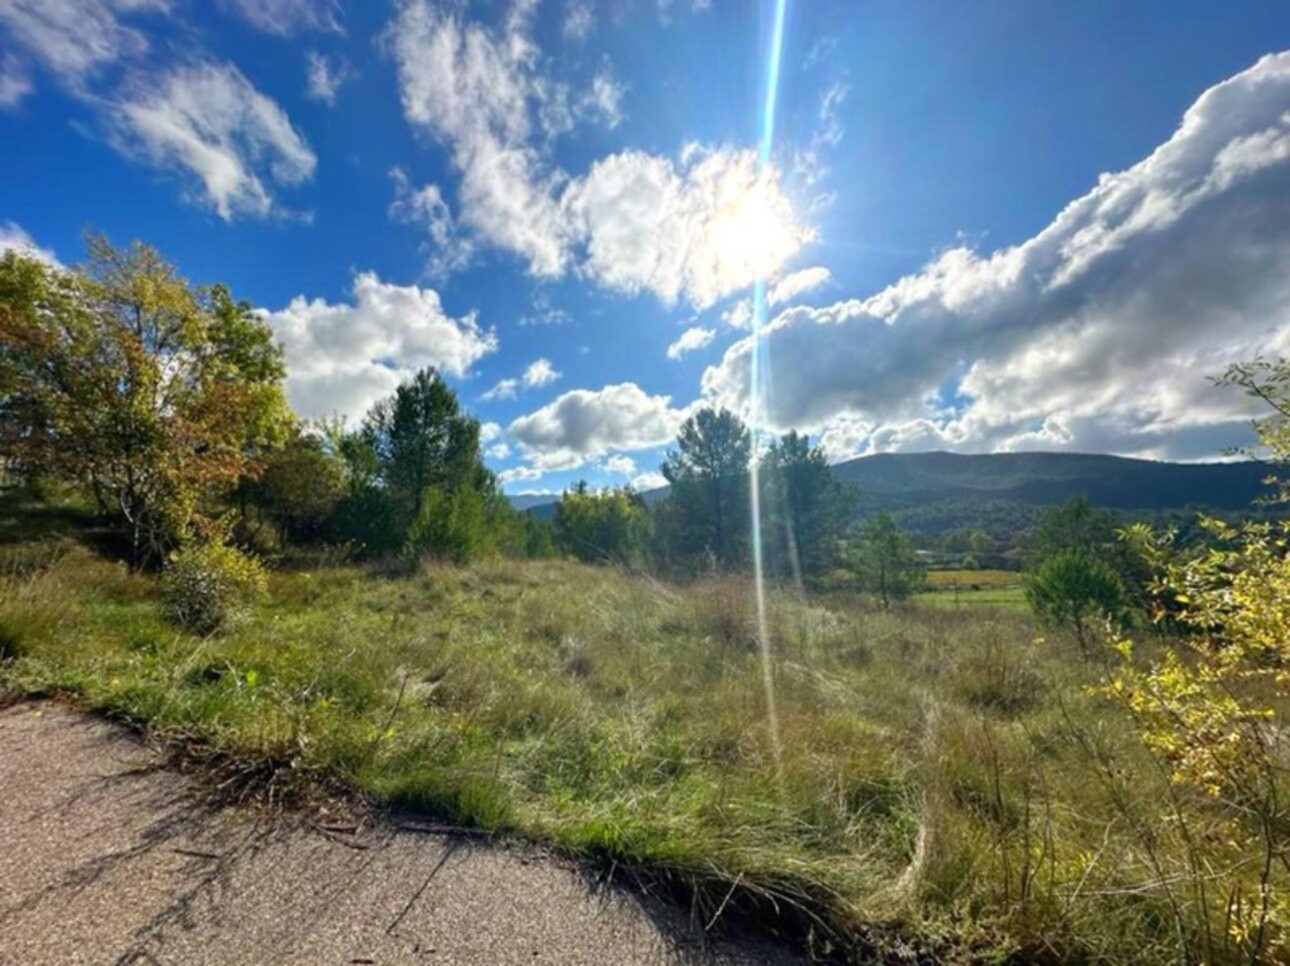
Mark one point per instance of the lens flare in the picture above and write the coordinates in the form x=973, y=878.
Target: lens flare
x=755, y=382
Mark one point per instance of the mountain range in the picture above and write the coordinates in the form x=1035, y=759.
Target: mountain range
x=1003, y=492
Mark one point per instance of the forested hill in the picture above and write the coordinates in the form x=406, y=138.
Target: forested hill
x=899, y=479
x=1001, y=493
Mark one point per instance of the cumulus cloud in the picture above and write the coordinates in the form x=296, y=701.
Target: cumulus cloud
x=540, y=372
x=695, y=227
x=739, y=315
x=504, y=389
x=286, y=17
x=343, y=357
x=13, y=237
x=644, y=482
x=75, y=39
x=1096, y=334
x=690, y=340
x=208, y=121
x=796, y=283
x=622, y=465
x=586, y=424
x=519, y=473
x=699, y=228
x=325, y=77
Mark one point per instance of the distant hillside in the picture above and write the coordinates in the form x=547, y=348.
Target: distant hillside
x=1003, y=493
x=529, y=501
x=901, y=479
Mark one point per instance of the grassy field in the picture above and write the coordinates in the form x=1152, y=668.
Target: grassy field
x=938, y=782
x=971, y=588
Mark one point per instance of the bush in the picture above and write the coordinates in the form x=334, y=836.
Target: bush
x=1073, y=588
x=207, y=587
x=452, y=525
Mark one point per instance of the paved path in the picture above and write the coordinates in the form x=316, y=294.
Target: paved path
x=106, y=856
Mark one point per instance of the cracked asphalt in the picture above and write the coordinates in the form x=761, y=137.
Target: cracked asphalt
x=108, y=856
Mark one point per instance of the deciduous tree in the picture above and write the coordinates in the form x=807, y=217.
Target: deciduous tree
x=153, y=393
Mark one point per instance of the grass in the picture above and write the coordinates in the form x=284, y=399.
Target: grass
x=974, y=588
x=942, y=784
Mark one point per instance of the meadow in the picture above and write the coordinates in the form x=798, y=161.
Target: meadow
x=939, y=785
x=968, y=588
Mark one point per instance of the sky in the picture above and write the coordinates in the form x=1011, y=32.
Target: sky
x=977, y=227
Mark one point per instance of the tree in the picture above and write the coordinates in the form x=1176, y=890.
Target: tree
x=451, y=525
x=596, y=527
x=884, y=562
x=1213, y=707
x=300, y=488
x=805, y=508
x=1077, y=525
x=156, y=395
x=708, y=472
x=418, y=439
x=1072, y=588
x=1074, y=525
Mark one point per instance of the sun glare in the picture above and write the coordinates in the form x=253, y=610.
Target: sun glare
x=756, y=232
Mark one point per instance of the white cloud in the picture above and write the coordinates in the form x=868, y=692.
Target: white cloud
x=499, y=451
x=504, y=389
x=540, y=373
x=15, y=81
x=586, y=424
x=690, y=340
x=622, y=465
x=426, y=208
x=830, y=131
x=542, y=312
x=810, y=165
x=343, y=357
x=489, y=432
x=325, y=77
x=605, y=98
x=697, y=227
x=13, y=237
x=525, y=473
x=470, y=87
x=76, y=39
x=795, y=283
x=644, y=482
x=579, y=19
x=739, y=315
x=1096, y=334
x=286, y=17
x=208, y=120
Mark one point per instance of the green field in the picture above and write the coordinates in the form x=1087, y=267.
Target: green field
x=937, y=781
x=974, y=588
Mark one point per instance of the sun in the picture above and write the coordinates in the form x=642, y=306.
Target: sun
x=755, y=231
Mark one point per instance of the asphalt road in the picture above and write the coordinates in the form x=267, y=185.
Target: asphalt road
x=108, y=856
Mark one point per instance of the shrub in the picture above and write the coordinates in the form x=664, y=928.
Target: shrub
x=1073, y=588
x=452, y=525
x=206, y=587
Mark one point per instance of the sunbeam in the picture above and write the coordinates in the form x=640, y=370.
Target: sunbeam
x=755, y=382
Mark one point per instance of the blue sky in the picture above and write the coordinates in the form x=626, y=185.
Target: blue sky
x=985, y=226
